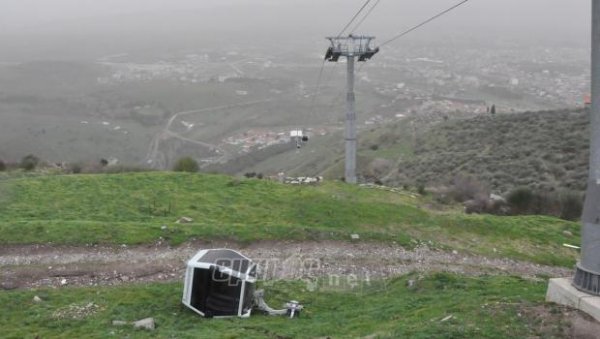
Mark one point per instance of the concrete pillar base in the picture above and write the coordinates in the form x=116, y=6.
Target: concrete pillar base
x=561, y=291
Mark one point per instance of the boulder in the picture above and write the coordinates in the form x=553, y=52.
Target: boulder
x=146, y=324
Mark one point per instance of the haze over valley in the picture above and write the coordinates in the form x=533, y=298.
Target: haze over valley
x=143, y=86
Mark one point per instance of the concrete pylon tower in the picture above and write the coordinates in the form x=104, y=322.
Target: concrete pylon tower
x=352, y=47
x=587, y=274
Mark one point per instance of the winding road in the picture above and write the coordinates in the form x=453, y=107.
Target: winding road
x=157, y=160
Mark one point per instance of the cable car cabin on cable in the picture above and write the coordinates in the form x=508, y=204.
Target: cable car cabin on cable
x=299, y=136
x=220, y=283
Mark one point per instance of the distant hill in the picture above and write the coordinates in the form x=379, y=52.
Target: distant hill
x=545, y=150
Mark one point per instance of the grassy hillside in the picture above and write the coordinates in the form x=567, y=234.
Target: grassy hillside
x=490, y=307
x=542, y=150
x=133, y=208
x=545, y=150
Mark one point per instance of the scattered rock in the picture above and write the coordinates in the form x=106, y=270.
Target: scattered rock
x=303, y=180
x=567, y=233
x=497, y=198
x=354, y=236
x=146, y=324
x=410, y=283
x=119, y=323
x=63, y=282
x=184, y=220
x=455, y=252
x=76, y=312
x=163, y=227
x=37, y=299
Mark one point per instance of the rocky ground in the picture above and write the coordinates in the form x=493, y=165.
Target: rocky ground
x=32, y=266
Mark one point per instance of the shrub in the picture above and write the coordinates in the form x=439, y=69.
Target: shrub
x=186, y=164
x=571, y=206
x=467, y=188
x=567, y=205
x=520, y=200
x=29, y=162
x=478, y=206
x=378, y=168
x=75, y=168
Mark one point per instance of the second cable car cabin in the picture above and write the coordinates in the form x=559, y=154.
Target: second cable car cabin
x=299, y=136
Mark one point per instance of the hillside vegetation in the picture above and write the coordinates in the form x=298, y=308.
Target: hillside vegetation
x=138, y=208
x=545, y=151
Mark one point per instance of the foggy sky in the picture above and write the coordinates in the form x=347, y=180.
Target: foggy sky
x=26, y=23
x=17, y=14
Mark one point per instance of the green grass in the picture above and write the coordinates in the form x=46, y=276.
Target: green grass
x=489, y=306
x=131, y=208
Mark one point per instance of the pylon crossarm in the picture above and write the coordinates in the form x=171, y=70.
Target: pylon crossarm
x=351, y=45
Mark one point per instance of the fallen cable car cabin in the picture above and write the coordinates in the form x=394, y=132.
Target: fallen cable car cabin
x=220, y=283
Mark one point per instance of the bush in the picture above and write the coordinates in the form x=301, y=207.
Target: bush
x=75, y=168
x=186, y=164
x=467, y=188
x=520, y=200
x=476, y=206
x=2, y=166
x=566, y=205
x=29, y=162
x=571, y=206
x=377, y=169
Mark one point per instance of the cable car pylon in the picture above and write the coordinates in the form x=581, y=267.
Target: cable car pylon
x=352, y=47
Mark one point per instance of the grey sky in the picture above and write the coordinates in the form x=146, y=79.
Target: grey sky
x=310, y=20
x=18, y=14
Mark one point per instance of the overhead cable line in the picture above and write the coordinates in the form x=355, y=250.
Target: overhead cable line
x=317, y=88
x=423, y=23
x=354, y=18
x=365, y=17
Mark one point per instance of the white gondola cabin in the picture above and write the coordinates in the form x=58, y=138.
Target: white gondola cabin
x=220, y=283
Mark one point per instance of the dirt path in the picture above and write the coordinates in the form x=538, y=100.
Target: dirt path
x=35, y=265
